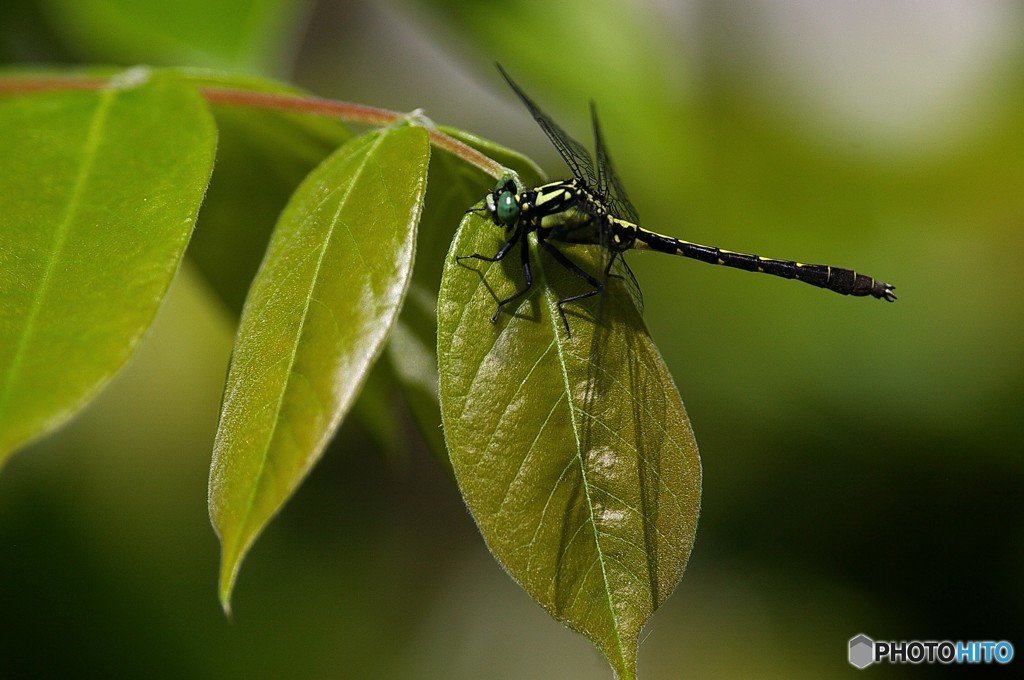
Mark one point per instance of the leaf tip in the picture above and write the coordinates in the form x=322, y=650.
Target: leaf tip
x=228, y=572
x=225, y=605
x=226, y=587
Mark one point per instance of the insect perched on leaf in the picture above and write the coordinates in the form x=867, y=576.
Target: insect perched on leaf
x=592, y=208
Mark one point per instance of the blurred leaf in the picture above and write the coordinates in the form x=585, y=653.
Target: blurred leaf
x=249, y=35
x=98, y=195
x=25, y=35
x=612, y=24
x=315, y=320
x=262, y=156
x=574, y=455
x=454, y=187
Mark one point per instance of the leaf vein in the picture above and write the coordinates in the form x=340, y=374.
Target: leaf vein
x=93, y=139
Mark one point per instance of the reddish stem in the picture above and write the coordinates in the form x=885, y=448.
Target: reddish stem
x=26, y=84
x=350, y=113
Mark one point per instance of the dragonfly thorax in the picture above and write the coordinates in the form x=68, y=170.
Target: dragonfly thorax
x=552, y=198
x=508, y=207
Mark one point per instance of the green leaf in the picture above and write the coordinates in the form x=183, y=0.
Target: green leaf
x=99, y=192
x=316, y=318
x=454, y=186
x=574, y=454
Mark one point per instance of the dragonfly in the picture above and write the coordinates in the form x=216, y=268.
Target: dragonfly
x=593, y=208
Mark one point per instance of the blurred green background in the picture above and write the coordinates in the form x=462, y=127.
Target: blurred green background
x=862, y=461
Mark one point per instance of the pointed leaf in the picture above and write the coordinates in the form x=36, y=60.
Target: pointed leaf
x=574, y=454
x=316, y=318
x=98, y=195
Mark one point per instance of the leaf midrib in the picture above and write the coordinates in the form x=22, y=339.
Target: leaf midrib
x=250, y=504
x=567, y=384
x=89, y=153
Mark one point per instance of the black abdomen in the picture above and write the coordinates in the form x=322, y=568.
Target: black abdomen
x=836, y=279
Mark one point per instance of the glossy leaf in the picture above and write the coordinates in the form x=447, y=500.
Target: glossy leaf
x=316, y=318
x=99, y=192
x=574, y=454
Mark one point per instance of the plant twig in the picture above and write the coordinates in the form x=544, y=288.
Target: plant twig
x=317, y=106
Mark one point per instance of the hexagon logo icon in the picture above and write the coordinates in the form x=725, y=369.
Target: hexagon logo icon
x=862, y=651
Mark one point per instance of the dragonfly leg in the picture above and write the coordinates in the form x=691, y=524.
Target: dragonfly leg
x=524, y=258
x=499, y=255
x=524, y=255
x=576, y=271
x=611, y=263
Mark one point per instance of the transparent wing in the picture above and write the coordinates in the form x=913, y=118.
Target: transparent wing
x=575, y=154
x=584, y=226
x=587, y=223
x=620, y=269
x=609, y=186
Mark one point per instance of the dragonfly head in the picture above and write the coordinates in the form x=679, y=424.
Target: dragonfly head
x=501, y=203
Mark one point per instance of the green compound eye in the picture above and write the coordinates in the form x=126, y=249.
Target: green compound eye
x=507, y=208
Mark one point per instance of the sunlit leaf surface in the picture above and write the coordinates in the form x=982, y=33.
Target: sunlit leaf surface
x=99, y=192
x=316, y=318
x=574, y=454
